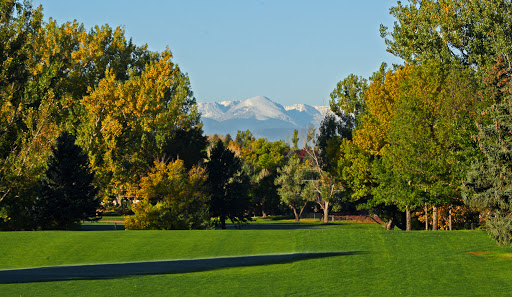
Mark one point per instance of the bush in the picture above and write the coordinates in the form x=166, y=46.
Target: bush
x=171, y=198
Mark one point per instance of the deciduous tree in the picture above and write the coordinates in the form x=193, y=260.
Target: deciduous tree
x=430, y=145
x=295, y=189
x=171, y=198
x=471, y=32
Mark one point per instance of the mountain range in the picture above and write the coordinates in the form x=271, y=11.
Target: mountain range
x=262, y=116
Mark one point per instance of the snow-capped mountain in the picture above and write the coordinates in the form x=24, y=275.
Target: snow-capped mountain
x=263, y=117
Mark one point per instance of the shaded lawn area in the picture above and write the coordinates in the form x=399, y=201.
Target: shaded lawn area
x=114, y=270
x=371, y=262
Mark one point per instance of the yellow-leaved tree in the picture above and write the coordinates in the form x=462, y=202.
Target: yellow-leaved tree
x=124, y=104
x=127, y=123
x=370, y=139
x=171, y=198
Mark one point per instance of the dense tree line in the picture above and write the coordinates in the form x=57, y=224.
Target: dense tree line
x=430, y=136
x=125, y=105
x=88, y=115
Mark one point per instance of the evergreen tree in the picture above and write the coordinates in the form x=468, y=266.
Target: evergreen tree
x=67, y=194
x=295, y=140
x=228, y=186
x=244, y=138
x=227, y=140
x=488, y=184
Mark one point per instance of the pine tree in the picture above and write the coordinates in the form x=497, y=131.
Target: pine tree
x=488, y=184
x=67, y=194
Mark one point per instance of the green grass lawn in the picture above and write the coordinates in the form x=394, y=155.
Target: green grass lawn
x=376, y=263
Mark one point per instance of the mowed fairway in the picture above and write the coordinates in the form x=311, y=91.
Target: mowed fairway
x=364, y=260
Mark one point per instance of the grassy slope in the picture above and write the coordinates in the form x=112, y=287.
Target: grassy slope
x=393, y=263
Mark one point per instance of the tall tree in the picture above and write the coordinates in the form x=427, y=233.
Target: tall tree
x=228, y=186
x=295, y=139
x=126, y=125
x=471, y=32
x=67, y=194
x=28, y=110
x=326, y=185
x=430, y=138
x=359, y=165
x=264, y=157
x=487, y=185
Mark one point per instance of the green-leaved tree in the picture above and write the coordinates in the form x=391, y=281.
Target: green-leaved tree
x=295, y=189
x=67, y=194
x=227, y=185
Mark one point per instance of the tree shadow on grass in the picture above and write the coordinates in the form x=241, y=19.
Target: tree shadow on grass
x=101, y=271
x=248, y=226
x=102, y=227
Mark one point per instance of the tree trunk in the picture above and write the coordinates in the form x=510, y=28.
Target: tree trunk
x=297, y=217
x=426, y=216
x=407, y=218
x=263, y=213
x=434, y=218
x=223, y=222
x=450, y=218
x=326, y=212
x=302, y=209
x=390, y=225
x=122, y=205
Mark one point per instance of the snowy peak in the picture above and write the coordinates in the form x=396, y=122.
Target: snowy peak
x=260, y=108
x=304, y=108
x=226, y=105
x=262, y=116
x=211, y=110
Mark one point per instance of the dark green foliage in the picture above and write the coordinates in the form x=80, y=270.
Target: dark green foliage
x=228, y=186
x=263, y=193
x=295, y=140
x=67, y=194
x=244, y=138
x=16, y=23
x=331, y=132
x=262, y=158
x=187, y=145
x=227, y=140
x=488, y=184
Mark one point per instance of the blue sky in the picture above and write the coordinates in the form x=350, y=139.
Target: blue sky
x=290, y=51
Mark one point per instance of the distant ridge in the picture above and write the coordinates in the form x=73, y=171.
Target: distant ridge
x=262, y=116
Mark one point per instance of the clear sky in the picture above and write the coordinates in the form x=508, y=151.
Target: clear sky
x=290, y=51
